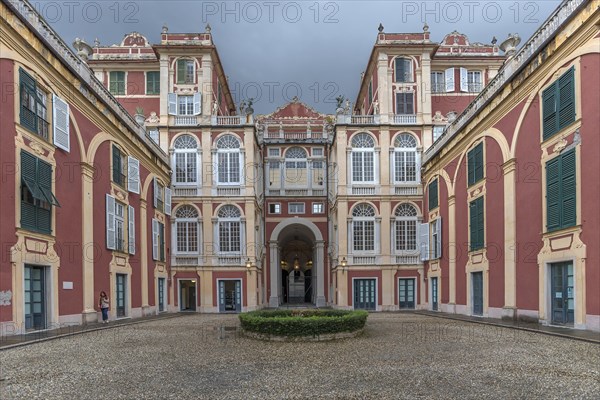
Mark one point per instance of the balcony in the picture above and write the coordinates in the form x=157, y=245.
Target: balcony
x=275, y=133
x=227, y=120
x=408, y=259
x=186, y=191
x=185, y=120
x=408, y=190
x=229, y=191
x=295, y=192
x=362, y=190
x=358, y=119
x=404, y=119
x=229, y=260
x=363, y=260
x=181, y=260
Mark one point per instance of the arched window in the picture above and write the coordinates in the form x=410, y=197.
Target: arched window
x=187, y=228
x=228, y=160
x=406, y=161
x=229, y=220
x=296, y=170
x=185, y=160
x=405, y=226
x=403, y=69
x=363, y=228
x=363, y=158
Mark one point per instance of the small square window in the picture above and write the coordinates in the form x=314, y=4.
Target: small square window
x=274, y=152
x=296, y=208
x=317, y=152
x=274, y=208
x=318, y=208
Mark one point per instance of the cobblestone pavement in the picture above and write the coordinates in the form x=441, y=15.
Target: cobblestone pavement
x=399, y=356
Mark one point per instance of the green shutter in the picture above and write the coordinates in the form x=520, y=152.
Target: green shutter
x=550, y=124
x=116, y=165
x=36, y=175
x=433, y=194
x=476, y=223
x=153, y=82
x=566, y=101
x=568, y=190
x=473, y=224
x=553, y=197
x=162, y=241
x=478, y=155
x=480, y=223
x=45, y=182
x=28, y=178
x=181, y=66
x=470, y=168
x=27, y=115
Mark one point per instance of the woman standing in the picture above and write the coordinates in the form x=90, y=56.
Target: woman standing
x=103, y=304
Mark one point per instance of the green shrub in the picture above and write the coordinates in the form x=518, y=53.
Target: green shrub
x=302, y=322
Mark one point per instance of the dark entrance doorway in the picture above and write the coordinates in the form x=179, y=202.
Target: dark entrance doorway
x=563, y=304
x=434, y=294
x=365, y=297
x=230, y=295
x=187, y=295
x=297, y=277
x=406, y=299
x=477, y=281
x=35, y=297
x=121, y=295
x=161, y=294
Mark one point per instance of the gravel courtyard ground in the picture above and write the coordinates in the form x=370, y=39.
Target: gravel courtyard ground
x=399, y=356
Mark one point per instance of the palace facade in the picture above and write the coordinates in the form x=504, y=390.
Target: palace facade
x=456, y=181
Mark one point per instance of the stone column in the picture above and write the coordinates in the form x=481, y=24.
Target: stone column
x=165, y=81
x=144, y=254
x=89, y=314
x=510, y=240
x=452, y=254
x=320, y=266
x=275, y=272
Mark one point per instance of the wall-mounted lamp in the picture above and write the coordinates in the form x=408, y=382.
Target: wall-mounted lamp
x=344, y=262
x=248, y=264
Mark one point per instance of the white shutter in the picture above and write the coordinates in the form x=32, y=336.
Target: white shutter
x=172, y=104
x=60, y=122
x=131, y=229
x=464, y=80
x=154, y=239
x=133, y=175
x=438, y=243
x=418, y=165
x=424, y=241
x=111, y=229
x=155, y=192
x=167, y=201
x=197, y=103
x=449, y=79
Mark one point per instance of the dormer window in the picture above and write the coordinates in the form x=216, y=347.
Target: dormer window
x=185, y=72
x=403, y=70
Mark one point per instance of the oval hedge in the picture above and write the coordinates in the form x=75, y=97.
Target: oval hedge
x=297, y=323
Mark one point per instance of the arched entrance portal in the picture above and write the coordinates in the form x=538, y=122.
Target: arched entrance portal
x=297, y=257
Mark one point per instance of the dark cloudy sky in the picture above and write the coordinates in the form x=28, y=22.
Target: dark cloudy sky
x=275, y=50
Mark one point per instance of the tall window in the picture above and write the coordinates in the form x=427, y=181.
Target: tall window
x=403, y=70
x=229, y=220
x=185, y=71
x=363, y=228
x=370, y=92
x=474, y=81
x=435, y=239
x=405, y=227
x=405, y=103
x=228, y=160
x=438, y=83
x=117, y=83
x=476, y=224
x=37, y=198
x=186, y=160
x=153, y=82
x=475, y=164
x=363, y=158
x=433, y=194
x=558, y=104
x=296, y=167
x=185, y=105
x=561, y=191
x=405, y=159
x=119, y=163
x=187, y=226
x=34, y=114
x=120, y=226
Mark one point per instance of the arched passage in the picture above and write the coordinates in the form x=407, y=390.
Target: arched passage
x=297, y=257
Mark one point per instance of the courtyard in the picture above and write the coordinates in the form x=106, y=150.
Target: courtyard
x=400, y=355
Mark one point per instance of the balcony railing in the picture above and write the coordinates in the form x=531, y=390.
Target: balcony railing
x=408, y=259
x=180, y=260
x=363, y=190
x=218, y=120
x=185, y=191
x=228, y=191
x=364, y=260
x=229, y=260
x=404, y=119
x=438, y=88
x=295, y=192
x=407, y=190
x=185, y=120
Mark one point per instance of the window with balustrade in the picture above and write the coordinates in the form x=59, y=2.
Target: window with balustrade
x=363, y=228
x=296, y=167
x=185, y=105
x=405, y=162
x=474, y=81
x=228, y=160
x=363, y=159
x=187, y=227
x=438, y=82
x=229, y=221
x=405, y=228
x=405, y=104
x=185, y=160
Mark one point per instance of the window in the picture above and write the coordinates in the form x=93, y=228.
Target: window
x=118, y=166
x=187, y=229
x=34, y=111
x=405, y=228
x=185, y=72
x=318, y=208
x=561, y=192
x=318, y=173
x=274, y=174
x=185, y=160
x=274, y=208
x=117, y=83
x=438, y=83
x=475, y=164
x=120, y=226
x=558, y=104
x=474, y=81
x=160, y=197
x=229, y=220
x=403, y=70
x=405, y=103
x=296, y=208
x=436, y=239
x=185, y=105
x=438, y=130
x=363, y=228
x=37, y=198
x=158, y=241
x=317, y=152
x=370, y=92
x=476, y=224
x=154, y=135
x=228, y=160
x=405, y=159
x=153, y=82
x=433, y=194
x=296, y=171
x=274, y=152
x=363, y=158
